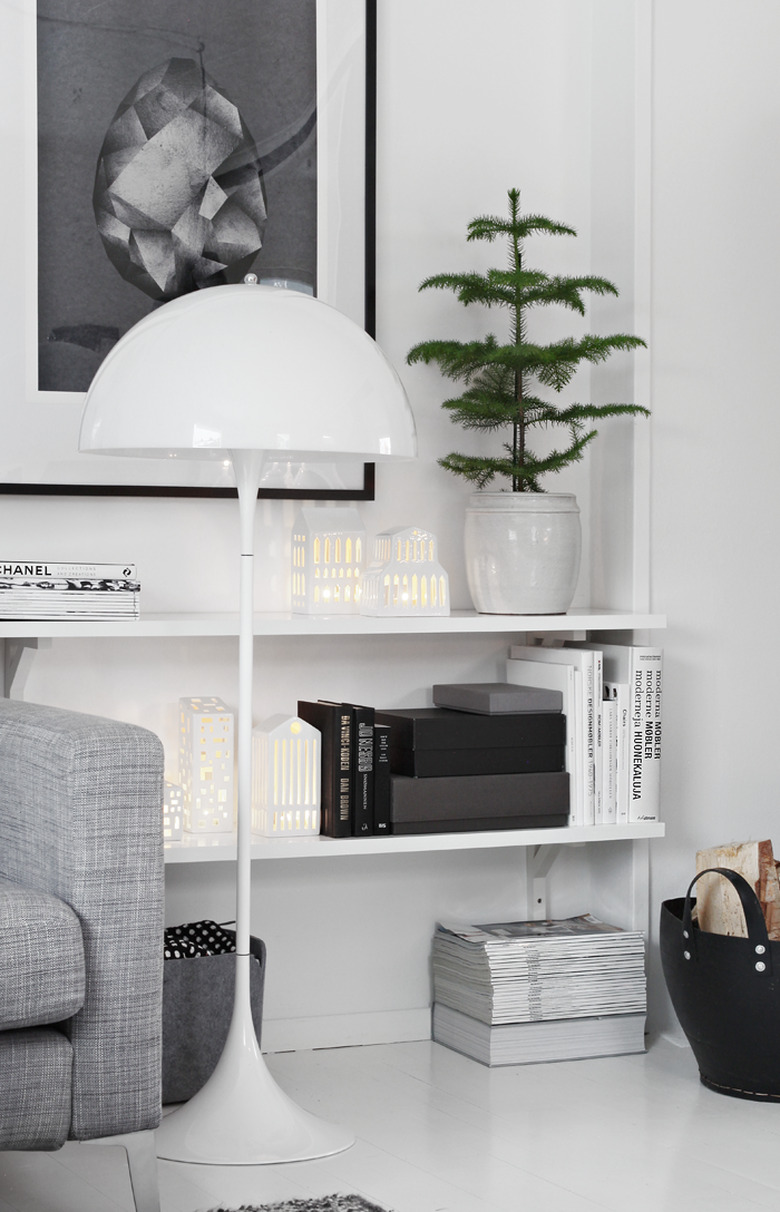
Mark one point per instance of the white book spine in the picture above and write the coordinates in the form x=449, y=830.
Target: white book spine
x=591, y=736
x=609, y=761
x=598, y=740
x=646, y=694
x=618, y=693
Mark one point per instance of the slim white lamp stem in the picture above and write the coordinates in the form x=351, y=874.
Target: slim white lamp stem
x=247, y=466
x=240, y=1116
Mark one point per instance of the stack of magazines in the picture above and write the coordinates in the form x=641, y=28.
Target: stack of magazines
x=516, y=992
x=51, y=590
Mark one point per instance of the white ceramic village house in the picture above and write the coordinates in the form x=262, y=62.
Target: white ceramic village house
x=328, y=550
x=286, y=777
x=405, y=576
x=206, y=749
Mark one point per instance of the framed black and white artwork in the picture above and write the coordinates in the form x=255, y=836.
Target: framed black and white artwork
x=153, y=149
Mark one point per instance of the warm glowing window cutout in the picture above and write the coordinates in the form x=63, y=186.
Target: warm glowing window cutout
x=173, y=823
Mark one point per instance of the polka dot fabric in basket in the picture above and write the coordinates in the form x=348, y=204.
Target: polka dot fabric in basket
x=326, y=1203
x=196, y=939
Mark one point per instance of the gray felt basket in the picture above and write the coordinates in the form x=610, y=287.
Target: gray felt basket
x=197, y=1005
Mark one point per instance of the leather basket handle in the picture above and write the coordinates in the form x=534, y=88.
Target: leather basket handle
x=754, y=919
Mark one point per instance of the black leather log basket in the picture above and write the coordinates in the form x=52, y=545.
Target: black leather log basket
x=726, y=994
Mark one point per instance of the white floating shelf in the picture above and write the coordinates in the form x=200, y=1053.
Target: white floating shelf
x=282, y=624
x=222, y=848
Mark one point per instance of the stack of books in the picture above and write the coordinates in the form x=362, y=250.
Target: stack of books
x=52, y=590
x=520, y=992
x=612, y=699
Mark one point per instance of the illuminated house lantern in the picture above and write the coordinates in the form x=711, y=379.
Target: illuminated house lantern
x=405, y=576
x=328, y=547
x=206, y=749
x=173, y=824
x=285, y=778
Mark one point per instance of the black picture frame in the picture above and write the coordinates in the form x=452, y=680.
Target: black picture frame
x=360, y=478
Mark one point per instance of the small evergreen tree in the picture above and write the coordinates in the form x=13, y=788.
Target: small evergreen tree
x=502, y=379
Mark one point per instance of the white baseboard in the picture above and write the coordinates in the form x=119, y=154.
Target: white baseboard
x=344, y=1030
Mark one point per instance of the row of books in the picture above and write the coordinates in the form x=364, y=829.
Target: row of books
x=519, y=992
x=53, y=590
x=355, y=756
x=612, y=699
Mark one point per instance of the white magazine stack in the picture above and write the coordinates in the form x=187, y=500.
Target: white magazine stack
x=56, y=590
x=518, y=992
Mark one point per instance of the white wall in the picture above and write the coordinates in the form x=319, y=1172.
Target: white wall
x=474, y=99
x=716, y=490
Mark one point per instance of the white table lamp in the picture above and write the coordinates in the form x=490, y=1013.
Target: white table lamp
x=247, y=373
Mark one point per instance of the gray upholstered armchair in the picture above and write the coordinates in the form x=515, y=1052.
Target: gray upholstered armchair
x=81, y=921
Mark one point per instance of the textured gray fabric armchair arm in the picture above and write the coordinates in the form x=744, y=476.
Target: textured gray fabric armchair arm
x=80, y=821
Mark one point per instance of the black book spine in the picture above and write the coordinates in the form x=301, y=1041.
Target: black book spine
x=362, y=770
x=333, y=722
x=345, y=772
x=347, y=765
x=382, y=784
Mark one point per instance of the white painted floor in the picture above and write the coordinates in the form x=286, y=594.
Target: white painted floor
x=439, y=1133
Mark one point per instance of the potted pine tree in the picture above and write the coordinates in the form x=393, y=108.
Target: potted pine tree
x=522, y=544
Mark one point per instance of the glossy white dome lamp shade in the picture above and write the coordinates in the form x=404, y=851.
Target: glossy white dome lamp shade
x=247, y=373
x=247, y=367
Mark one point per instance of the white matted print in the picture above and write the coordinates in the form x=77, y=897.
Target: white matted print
x=77, y=81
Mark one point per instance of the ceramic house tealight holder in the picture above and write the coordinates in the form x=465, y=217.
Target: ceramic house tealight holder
x=327, y=552
x=404, y=576
x=173, y=818
x=206, y=753
x=286, y=778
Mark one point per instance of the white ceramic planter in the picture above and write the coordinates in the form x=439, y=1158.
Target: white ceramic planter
x=522, y=551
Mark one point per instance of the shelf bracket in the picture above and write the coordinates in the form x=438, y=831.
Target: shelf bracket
x=17, y=656
x=538, y=864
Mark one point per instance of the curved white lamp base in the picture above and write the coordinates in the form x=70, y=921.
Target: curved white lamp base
x=242, y=1118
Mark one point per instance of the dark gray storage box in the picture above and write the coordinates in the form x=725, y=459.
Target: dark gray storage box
x=472, y=803
x=197, y=1006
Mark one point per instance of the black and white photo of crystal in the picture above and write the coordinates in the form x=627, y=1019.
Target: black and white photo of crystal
x=207, y=169
x=178, y=198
